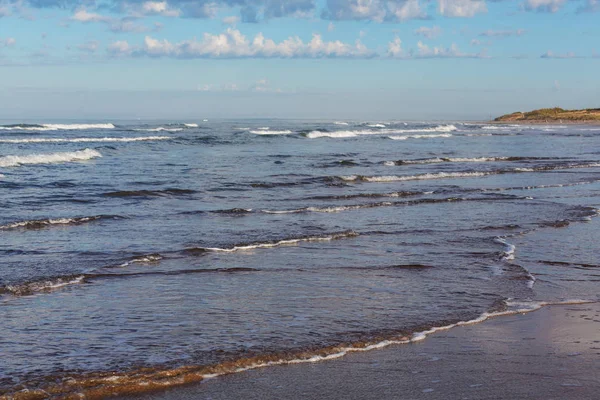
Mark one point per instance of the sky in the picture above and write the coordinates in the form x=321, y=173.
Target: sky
x=318, y=59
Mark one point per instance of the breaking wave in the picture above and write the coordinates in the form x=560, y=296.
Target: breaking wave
x=52, y=158
x=396, y=178
x=274, y=243
x=159, y=129
x=44, y=285
x=44, y=223
x=150, y=193
x=54, y=127
x=101, y=385
x=85, y=140
x=346, y=134
x=468, y=174
x=269, y=132
x=405, y=137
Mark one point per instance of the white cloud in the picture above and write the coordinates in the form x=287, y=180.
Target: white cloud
x=427, y=32
x=231, y=20
x=82, y=15
x=395, y=48
x=126, y=25
x=461, y=8
x=550, y=54
x=159, y=8
x=374, y=10
x=544, y=5
x=88, y=47
x=119, y=48
x=4, y=12
x=505, y=33
x=261, y=85
x=424, y=51
x=8, y=42
x=233, y=44
x=330, y=27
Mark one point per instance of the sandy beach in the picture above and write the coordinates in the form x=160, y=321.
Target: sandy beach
x=552, y=353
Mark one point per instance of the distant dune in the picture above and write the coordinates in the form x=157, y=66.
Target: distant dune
x=553, y=115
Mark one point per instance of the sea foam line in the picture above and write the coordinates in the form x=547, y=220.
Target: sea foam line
x=143, y=382
x=269, y=132
x=55, y=127
x=396, y=178
x=265, y=245
x=346, y=134
x=51, y=158
x=42, y=223
x=85, y=140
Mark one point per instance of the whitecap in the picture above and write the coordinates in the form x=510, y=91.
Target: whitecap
x=84, y=140
x=52, y=158
x=268, y=132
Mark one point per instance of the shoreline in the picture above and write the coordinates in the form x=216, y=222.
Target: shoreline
x=550, y=352
x=536, y=122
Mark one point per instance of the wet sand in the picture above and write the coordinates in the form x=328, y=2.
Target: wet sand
x=552, y=353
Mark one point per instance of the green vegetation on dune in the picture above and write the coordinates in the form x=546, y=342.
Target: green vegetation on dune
x=553, y=114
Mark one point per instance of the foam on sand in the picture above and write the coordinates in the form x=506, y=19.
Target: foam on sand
x=51, y=158
x=146, y=380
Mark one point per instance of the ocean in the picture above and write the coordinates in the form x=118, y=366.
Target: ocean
x=137, y=256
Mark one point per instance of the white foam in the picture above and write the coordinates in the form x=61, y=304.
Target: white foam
x=191, y=125
x=84, y=140
x=159, y=129
x=396, y=178
x=42, y=222
x=151, y=258
x=269, y=132
x=376, y=125
x=284, y=242
x=509, y=251
x=44, y=286
x=405, y=137
x=438, y=160
x=354, y=133
x=340, y=123
x=56, y=127
x=81, y=155
x=513, y=307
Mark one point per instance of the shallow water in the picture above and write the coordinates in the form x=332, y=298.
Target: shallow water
x=122, y=249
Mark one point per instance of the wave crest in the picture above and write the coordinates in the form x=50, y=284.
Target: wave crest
x=52, y=158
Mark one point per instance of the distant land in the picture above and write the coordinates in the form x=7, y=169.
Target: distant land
x=553, y=115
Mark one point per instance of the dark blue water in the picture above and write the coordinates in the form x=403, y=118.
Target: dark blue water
x=128, y=246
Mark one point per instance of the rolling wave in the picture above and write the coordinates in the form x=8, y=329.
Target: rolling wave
x=269, y=132
x=159, y=129
x=52, y=158
x=150, y=193
x=55, y=127
x=405, y=137
x=466, y=174
x=437, y=160
x=146, y=380
x=85, y=140
x=44, y=223
x=354, y=133
x=273, y=243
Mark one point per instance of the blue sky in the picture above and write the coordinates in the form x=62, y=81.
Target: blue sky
x=394, y=59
